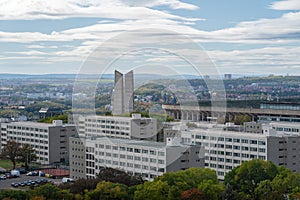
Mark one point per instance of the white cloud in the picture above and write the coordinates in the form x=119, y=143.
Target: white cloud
x=286, y=5
x=60, y=9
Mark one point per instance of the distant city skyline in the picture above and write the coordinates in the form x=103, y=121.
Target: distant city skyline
x=55, y=37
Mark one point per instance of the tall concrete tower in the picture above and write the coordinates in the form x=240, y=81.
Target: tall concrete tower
x=123, y=93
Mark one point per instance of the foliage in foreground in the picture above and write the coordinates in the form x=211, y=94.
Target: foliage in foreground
x=255, y=179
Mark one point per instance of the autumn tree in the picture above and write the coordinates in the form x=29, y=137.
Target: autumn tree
x=192, y=194
x=11, y=151
x=108, y=190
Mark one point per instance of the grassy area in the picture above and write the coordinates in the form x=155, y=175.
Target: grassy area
x=7, y=164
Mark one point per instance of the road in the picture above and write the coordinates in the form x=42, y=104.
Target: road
x=6, y=184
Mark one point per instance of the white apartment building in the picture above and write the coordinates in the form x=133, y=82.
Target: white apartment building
x=282, y=127
x=143, y=158
x=225, y=150
x=50, y=141
x=135, y=127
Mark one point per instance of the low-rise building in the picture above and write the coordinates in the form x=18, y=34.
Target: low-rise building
x=50, y=141
x=225, y=150
x=135, y=127
x=143, y=158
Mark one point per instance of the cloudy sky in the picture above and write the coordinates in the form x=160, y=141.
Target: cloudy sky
x=239, y=36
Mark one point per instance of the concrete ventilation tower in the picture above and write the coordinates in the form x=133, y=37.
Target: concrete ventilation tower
x=123, y=93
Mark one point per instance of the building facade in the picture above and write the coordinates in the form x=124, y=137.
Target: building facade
x=142, y=158
x=50, y=141
x=135, y=127
x=225, y=150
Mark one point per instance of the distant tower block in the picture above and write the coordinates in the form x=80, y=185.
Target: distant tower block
x=123, y=93
x=128, y=92
x=118, y=97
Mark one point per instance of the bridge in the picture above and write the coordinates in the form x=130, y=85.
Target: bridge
x=204, y=113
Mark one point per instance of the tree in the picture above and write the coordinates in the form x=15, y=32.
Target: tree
x=108, y=190
x=156, y=190
x=80, y=185
x=246, y=177
x=27, y=155
x=50, y=191
x=192, y=194
x=13, y=194
x=118, y=176
x=211, y=190
x=11, y=151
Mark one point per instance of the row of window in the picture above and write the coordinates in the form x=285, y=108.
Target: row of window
x=227, y=139
x=106, y=121
x=27, y=140
x=131, y=149
x=229, y=153
x=28, y=134
x=27, y=128
x=243, y=155
x=131, y=165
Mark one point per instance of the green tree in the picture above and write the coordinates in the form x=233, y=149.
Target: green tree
x=211, y=190
x=107, y=190
x=11, y=151
x=27, y=155
x=246, y=177
x=264, y=191
x=156, y=190
x=13, y=194
x=50, y=192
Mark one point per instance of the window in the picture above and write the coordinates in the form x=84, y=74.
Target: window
x=236, y=147
x=152, y=152
x=245, y=141
x=253, y=141
x=144, y=151
x=245, y=148
x=137, y=158
x=137, y=150
x=144, y=159
x=161, y=153
x=236, y=140
x=161, y=162
x=253, y=149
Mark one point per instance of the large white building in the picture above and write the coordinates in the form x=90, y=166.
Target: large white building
x=50, y=141
x=135, y=127
x=143, y=158
x=225, y=150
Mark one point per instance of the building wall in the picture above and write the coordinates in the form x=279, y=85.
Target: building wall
x=118, y=127
x=253, y=127
x=118, y=98
x=144, y=158
x=225, y=150
x=77, y=158
x=128, y=92
x=46, y=139
x=285, y=151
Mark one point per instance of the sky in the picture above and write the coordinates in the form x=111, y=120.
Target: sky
x=72, y=36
